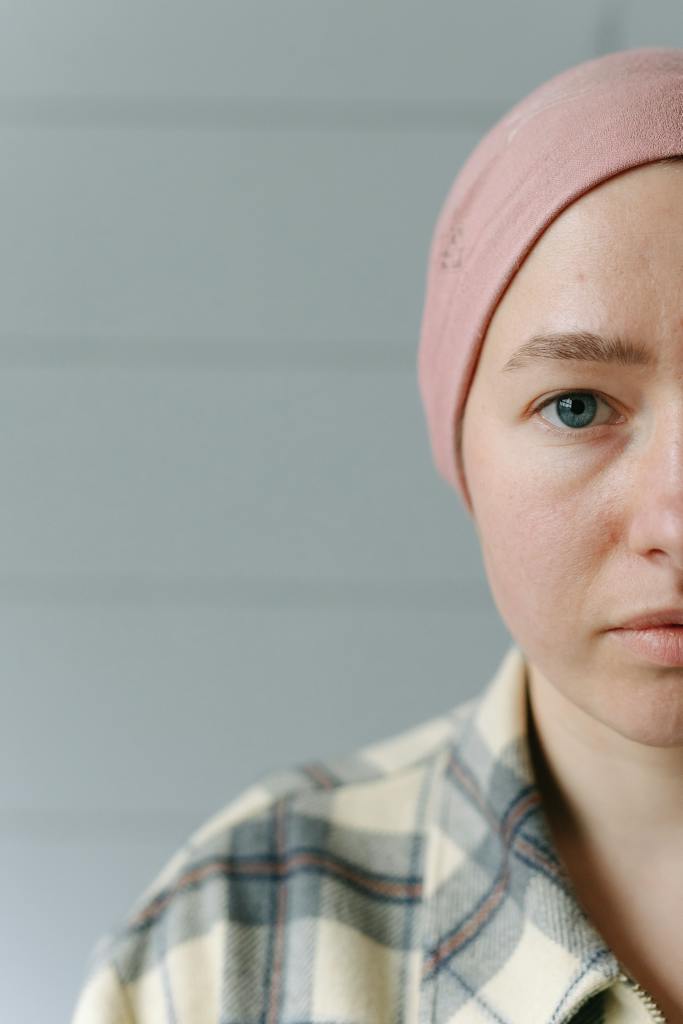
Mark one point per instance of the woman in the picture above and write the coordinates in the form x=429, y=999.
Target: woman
x=518, y=858
x=573, y=451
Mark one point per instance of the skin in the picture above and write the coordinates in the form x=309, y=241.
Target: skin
x=580, y=528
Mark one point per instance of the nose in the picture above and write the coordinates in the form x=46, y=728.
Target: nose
x=656, y=528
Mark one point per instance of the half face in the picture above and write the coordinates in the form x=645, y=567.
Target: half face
x=575, y=466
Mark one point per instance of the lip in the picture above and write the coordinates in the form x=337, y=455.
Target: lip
x=660, y=617
x=661, y=644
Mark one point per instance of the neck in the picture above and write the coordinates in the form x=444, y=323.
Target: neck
x=600, y=788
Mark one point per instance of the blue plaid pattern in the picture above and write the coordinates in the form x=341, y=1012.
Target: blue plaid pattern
x=413, y=881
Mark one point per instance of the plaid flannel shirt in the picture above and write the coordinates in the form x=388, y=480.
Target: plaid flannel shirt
x=413, y=881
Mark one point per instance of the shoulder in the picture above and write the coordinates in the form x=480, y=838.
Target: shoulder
x=351, y=824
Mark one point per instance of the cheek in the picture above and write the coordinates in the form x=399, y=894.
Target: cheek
x=541, y=551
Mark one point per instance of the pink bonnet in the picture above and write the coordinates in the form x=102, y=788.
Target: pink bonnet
x=574, y=131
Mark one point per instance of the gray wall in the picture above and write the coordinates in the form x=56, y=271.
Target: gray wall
x=223, y=545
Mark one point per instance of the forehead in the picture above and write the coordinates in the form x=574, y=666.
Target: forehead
x=631, y=217
x=612, y=260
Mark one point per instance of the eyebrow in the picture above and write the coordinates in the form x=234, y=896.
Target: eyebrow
x=580, y=345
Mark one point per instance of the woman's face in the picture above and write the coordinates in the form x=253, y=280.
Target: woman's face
x=579, y=505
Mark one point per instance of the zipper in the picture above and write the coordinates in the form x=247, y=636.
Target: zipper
x=656, y=1014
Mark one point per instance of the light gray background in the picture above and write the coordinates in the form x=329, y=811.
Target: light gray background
x=224, y=547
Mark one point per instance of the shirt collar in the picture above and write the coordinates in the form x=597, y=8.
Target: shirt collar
x=506, y=928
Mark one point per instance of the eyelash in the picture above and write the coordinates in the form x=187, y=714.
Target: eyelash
x=571, y=430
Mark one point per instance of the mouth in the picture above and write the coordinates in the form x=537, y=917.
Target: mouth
x=651, y=626
x=659, y=644
x=669, y=618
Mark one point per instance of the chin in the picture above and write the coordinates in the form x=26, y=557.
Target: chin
x=653, y=719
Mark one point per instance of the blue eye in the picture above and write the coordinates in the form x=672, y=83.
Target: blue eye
x=575, y=409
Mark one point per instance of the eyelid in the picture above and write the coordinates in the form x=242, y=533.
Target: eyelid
x=561, y=394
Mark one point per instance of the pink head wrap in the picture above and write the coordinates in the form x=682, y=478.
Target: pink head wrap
x=577, y=129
